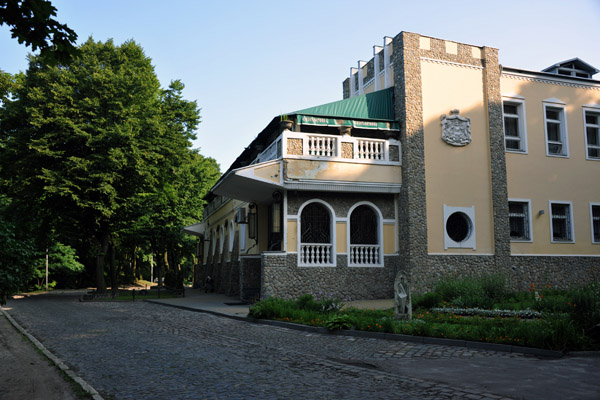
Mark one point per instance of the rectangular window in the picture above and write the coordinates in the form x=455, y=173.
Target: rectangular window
x=556, y=131
x=519, y=219
x=595, y=211
x=592, y=134
x=561, y=222
x=514, y=126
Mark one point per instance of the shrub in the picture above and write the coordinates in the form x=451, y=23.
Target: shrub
x=341, y=321
x=307, y=302
x=427, y=300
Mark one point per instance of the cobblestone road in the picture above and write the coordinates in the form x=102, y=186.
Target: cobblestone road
x=147, y=351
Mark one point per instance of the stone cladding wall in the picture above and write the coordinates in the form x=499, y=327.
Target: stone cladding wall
x=282, y=277
x=294, y=146
x=341, y=202
x=347, y=150
x=520, y=271
x=250, y=278
x=412, y=215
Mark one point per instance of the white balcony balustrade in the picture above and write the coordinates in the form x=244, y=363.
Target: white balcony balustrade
x=316, y=254
x=332, y=148
x=365, y=255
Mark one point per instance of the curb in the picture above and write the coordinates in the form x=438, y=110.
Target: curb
x=506, y=348
x=57, y=361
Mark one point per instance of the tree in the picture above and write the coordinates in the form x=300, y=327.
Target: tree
x=63, y=264
x=95, y=149
x=31, y=23
x=81, y=140
x=17, y=257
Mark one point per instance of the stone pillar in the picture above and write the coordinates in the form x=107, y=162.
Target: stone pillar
x=412, y=215
x=493, y=98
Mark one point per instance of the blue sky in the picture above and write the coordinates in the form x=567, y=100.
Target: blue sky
x=247, y=61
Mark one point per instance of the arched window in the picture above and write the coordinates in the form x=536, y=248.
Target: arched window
x=316, y=245
x=365, y=237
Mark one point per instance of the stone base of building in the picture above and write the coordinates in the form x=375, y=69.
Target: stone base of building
x=282, y=277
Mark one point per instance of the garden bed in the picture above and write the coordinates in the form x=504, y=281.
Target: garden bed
x=551, y=325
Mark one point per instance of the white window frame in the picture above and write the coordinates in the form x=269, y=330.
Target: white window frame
x=562, y=123
x=379, y=234
x=231, y=235
x=332, y=234
x=529, y=224
x=522, y=125
x=243, y=237
x=592, y=205
x=593, y=110
x=469, y=242
x=570, y=221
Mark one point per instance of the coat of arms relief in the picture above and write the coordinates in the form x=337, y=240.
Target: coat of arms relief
x=456, y=130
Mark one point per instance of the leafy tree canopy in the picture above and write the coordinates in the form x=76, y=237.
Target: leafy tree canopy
x=95, y=149
x=32, y=23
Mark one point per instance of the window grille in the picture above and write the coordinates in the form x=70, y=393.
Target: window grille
x=561, y=222
x=518, y=214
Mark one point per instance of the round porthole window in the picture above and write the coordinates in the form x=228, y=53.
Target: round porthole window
x=459, y=227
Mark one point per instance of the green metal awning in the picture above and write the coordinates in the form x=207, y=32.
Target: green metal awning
x=371, y=111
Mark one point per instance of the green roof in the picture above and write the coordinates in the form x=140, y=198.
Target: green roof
x=377, y=105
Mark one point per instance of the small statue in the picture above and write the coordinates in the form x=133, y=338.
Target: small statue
x=402, y=300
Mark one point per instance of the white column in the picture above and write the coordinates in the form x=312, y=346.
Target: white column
x=353, y=88
x=361, y=76
x=376, y=50
x=387, y=41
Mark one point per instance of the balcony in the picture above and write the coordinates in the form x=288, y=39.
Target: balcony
x=332, y=148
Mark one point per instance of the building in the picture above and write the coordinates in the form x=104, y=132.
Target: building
x=439, y=161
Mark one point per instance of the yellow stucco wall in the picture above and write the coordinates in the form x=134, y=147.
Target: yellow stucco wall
x=341, y=237
x=389, y=238
x=292, y=236
x=456, y=176
x=268, y=172
x=342, y=171
x=541, y=178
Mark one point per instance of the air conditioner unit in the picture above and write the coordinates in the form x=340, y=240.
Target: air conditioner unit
x=240, y=216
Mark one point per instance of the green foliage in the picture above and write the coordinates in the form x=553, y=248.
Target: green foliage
x=552, y=331
x=473, y=292
x=427, y=300
x=95, y=151
x=31, y=23
x=337, y=322
x=17, y=257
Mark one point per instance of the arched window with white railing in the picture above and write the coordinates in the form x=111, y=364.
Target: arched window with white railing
x=316, y=235
x=365, y=236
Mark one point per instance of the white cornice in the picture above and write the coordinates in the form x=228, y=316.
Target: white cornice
x=550, y=80
x=455, y=64
x=340, y=186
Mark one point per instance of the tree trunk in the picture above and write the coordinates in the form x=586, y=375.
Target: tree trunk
x=133, y=265
x=113, y=270
x=102, y=247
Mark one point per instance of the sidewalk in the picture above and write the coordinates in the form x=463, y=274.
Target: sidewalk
x=219, y=304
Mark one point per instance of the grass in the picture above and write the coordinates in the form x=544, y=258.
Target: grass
x=563, y=321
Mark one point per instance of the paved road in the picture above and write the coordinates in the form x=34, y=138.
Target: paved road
x=141, y=350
